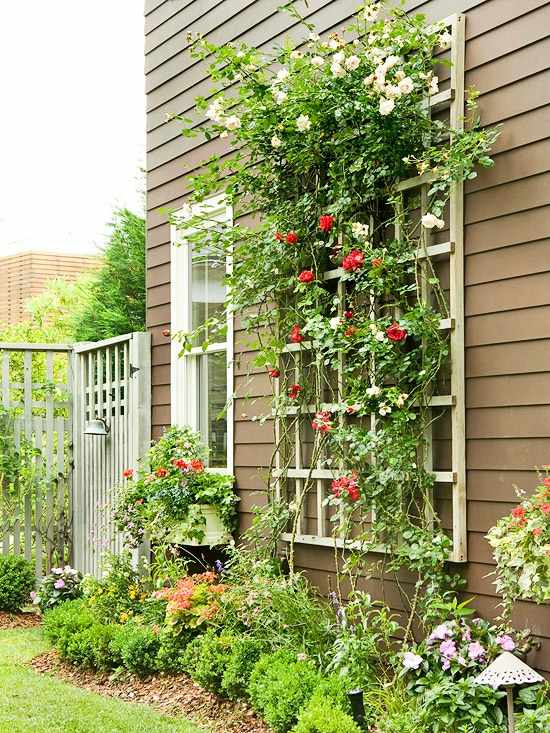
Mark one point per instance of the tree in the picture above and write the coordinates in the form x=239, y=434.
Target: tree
x=113, y=301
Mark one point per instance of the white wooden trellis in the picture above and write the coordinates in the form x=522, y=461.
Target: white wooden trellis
x=112, y=381
x=36, y=520
x=453, y=99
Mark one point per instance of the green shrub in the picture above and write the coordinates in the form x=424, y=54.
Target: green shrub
x=245, y=652
x=280, y=686
x=171, y=650
x=137, y=647
x=321, y=716
x=64, y=621
x=206, y=658
x=462, y=705
x=16, y=582
x=534, y=721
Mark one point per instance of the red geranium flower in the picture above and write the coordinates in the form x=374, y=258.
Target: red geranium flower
x=180, y=463
x=537, y=531
x=161, y=472
x=376, y=262
x=294, y=391
x=350, y=331
x=274, y=373
x=518, y=512
x=279, y=236
x=306, y=276
x=545, y=508
x=395, y=332
x=196, y=465
x=296, y=335
x=354, y=260
x=546, y=482
x=128, y=473
x=292, y=238
x=326, y=222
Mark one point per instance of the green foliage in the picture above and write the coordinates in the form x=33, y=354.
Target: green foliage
x=114, y=301
x=534, y=721
x=120, y=594
x=16, y=582
x=463, y=706
x=279, y=687
x=206, y=659
x=62, y=622
x=138, y=647
x=320, y=716
x=170, y=657
x=245, y=652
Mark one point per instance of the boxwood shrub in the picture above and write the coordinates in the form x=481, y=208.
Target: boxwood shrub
x=16, y=582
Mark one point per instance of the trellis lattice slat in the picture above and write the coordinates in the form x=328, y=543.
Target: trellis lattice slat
x=452, y=250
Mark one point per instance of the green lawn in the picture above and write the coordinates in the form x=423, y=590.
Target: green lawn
x=33, y=703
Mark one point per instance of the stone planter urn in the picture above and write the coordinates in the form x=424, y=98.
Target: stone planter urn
x=215, y=533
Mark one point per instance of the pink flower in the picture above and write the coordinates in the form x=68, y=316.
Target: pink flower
x=440, y=633
x=411, y=660
x=59, y=584
x=448, y=649
x=506, y=643
x=476, y=650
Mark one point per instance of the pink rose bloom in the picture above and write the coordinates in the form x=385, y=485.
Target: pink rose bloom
x=506, y=642
x=59, y=584
x=475, y=650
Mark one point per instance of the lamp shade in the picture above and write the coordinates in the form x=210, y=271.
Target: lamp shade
x=507, y=671
x=97, y=426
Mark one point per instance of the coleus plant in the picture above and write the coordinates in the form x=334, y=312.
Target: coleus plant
x=321, y=135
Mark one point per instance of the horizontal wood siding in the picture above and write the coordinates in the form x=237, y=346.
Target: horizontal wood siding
x=507, y=235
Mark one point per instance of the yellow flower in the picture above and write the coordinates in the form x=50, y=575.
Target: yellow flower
x=123, y=617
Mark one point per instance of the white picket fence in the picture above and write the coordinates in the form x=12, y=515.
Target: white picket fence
x=61, y=511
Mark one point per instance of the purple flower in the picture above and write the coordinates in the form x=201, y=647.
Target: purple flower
x=506, y=642
x=466, y=634
x=476, y=650
x=59, y=584
x=448, y=649
x=440, y=633
x=411, y=660
x=33, y=595
x=218, y=567
x=445, y=663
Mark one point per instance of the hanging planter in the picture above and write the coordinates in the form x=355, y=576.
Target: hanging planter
x=204, y=526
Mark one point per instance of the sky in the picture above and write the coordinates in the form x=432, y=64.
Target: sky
x=72, y=121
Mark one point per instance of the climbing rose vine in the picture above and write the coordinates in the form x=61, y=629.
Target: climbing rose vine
x=322, y=132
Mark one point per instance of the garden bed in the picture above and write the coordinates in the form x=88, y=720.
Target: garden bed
x=22, y=620
x=173, y=695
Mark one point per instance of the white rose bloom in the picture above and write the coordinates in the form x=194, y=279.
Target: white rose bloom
x=314, y=37
x=339, y=57
x=367, y=81
x=352, y=63
x=373, y=391
x=215, y=111
x=337, y=70
x=276, y=142
x=380, y=336
x=406, y=85
x=384, y=409
x=392, y=92
x=281, y=97
x=434, y=85
x=303, y=123
x=391, y=61
x=386, y=106
x=429, y=221
x=333, y=44
x=224, y=134
x=399, y=74
x=360, y=231
x=445, y=39
x=233, y=122
x=335, y=322
x=317, y=61
x=296, y=54
x=282, y=74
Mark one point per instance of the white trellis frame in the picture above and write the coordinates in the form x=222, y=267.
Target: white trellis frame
x=453, y=100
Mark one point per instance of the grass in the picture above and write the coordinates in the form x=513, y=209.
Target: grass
x=33, y=703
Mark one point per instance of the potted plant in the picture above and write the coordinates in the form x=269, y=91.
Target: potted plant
x=174, y=498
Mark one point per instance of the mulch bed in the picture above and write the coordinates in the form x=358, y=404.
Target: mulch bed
x=171, y=695
x=19, y=620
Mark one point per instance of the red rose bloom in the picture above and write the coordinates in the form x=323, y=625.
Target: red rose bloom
x=296, y=335
x=274, y=373
x=376, y=262
x=322, y=421
x=546, y=482
x=395, y=332
x=196, y=465
x=545, y=508
x=294, y=391
x=354, y=260
x=292, y=238
x=306, y=276
x=161, y=472
x=346, y=487
x=326, y=222
x=518, y=512
x=128, y=473
x=279, y=236
x=348, y=315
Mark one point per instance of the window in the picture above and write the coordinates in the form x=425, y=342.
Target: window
x=202, y=379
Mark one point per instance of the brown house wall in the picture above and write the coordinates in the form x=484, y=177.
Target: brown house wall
x=507, y=233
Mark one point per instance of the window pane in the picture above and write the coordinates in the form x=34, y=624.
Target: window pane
x=212, y=401
x=207, y=286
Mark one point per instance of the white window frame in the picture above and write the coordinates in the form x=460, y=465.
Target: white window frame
x=184, y=368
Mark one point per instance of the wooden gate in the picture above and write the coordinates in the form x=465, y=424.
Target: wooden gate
x=112, y=383
x=57, y=481
x=35, y=465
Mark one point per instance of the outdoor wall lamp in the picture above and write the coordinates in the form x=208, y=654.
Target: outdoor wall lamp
x=97, y=426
